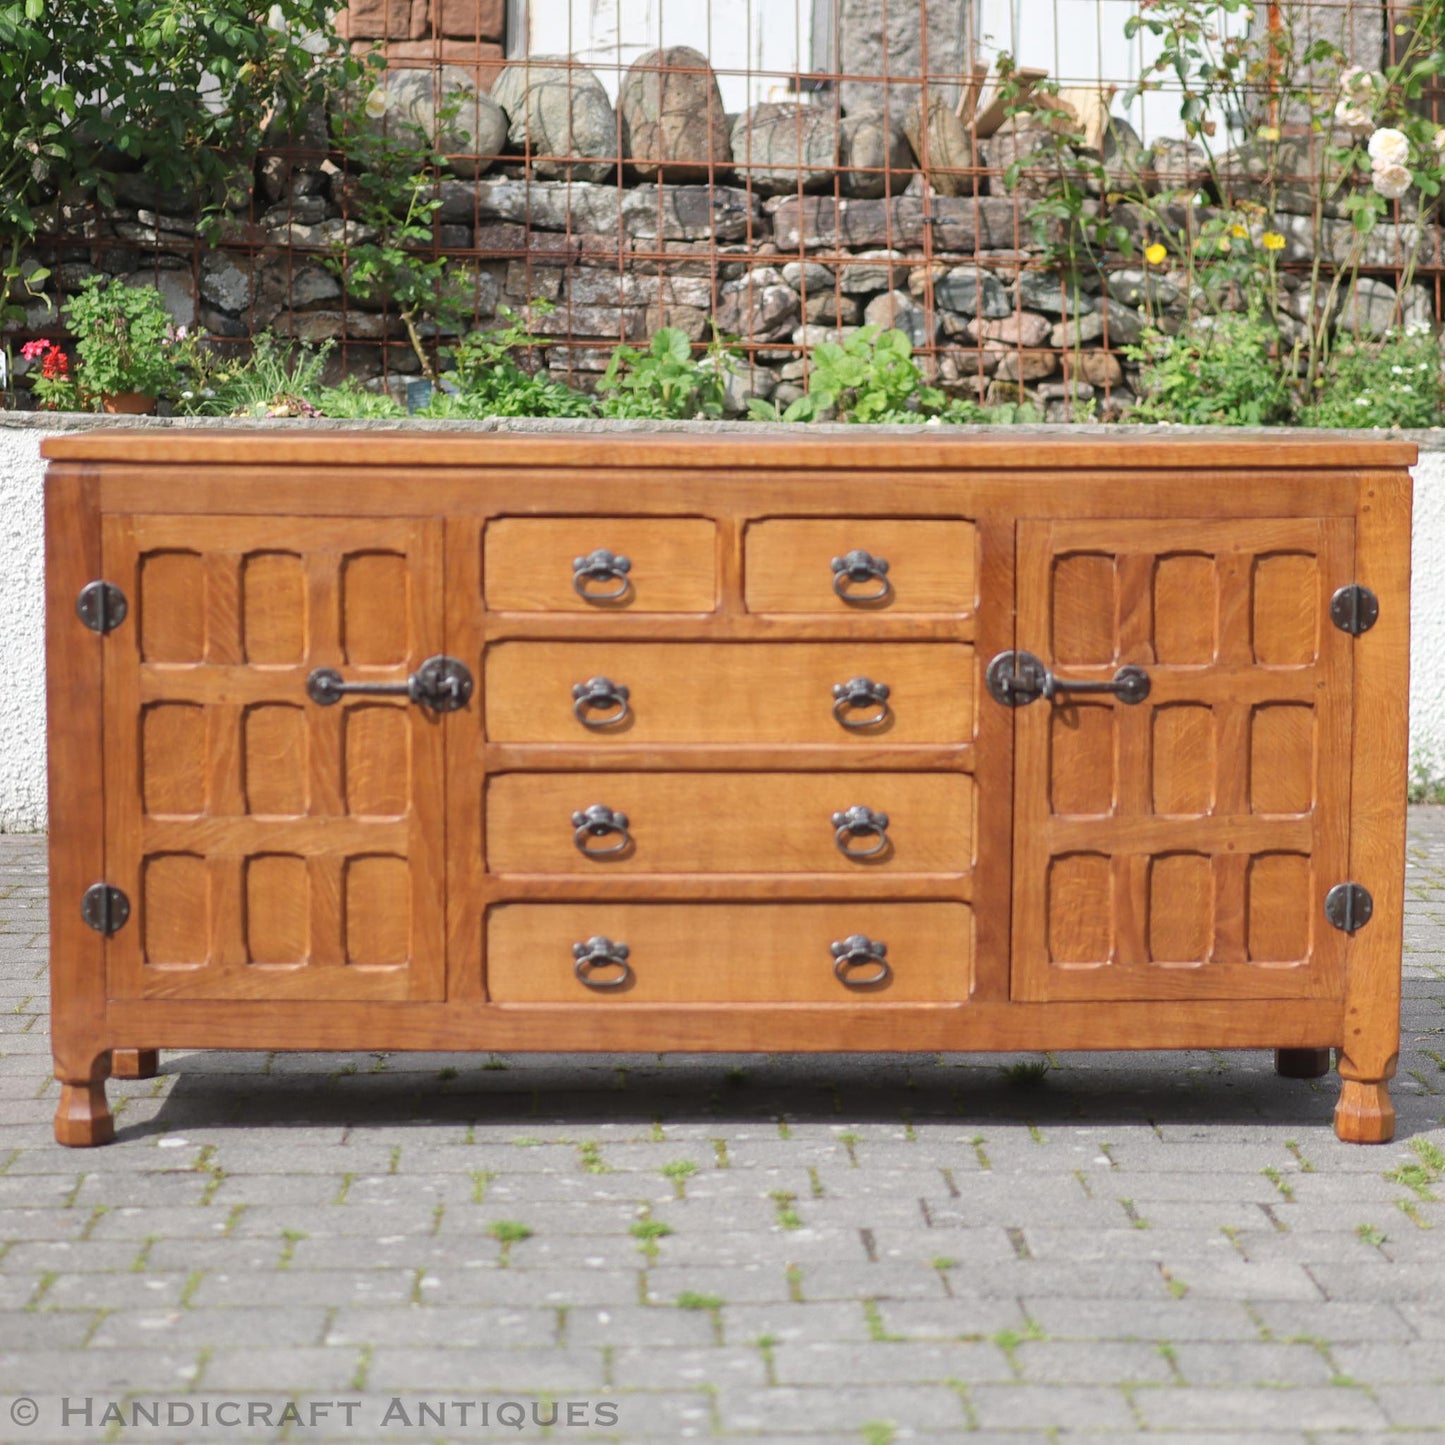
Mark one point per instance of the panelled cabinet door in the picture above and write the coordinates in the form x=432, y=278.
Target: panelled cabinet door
x=1180, y=847
x=272, y=847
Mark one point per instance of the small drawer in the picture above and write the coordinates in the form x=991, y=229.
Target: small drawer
x=729, y=953
x=600, y=564
x=619, y=693
x=860, y=564
x=845, y=823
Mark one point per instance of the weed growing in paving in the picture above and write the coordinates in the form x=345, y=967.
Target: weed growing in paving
x=1026, y=1073
x=508, y=1232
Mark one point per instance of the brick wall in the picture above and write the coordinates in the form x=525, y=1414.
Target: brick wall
x=468, y=33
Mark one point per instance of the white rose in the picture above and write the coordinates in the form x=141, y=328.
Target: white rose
x=1439, y=141
x=1352, y=117
x=1391, y=181
x=1389, y=147
x=376, y=103
x=1360, y=84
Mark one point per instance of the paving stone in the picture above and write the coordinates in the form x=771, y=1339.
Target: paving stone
x=1217, y=1363
x=788, y=1410
x=515, y=1372
x=1054, y=1313
x=1077, y=1407
x=1079, y=1362
x=1224, y=1408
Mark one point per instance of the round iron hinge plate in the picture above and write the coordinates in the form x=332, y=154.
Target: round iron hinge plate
x=1354, y=609
x=1349, y=907
x=105, y=908
x=101, y=606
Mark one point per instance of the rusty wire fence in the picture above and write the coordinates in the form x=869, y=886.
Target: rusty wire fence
x=986, y=175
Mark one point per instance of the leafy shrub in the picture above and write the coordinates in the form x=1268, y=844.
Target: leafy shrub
x=125, y=340
x=1218, y=371
x=665, y=382
x=278, y=379
x=491, y=382
x=353, y=402
x=1393, y=382
x=871, y=376
x=867, y=377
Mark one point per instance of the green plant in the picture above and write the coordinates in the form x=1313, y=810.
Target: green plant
x=179, y=87
x=392, y=204
x=1393, y=382
x=1026, y=1073
x=867, y=377
x=489, y=380
x=1217, y=371
x=508, y=1232
x=125, y=341
x=352, y=401
x=665, y=381
x=278, y=379
x=1427, y=783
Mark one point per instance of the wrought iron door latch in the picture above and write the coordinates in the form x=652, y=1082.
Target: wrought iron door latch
x=1016, y=679
x=441, y=683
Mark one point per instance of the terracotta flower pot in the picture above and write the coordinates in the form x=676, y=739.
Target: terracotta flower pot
x=127, y=403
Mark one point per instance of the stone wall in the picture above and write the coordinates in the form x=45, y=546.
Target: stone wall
x=787, y=225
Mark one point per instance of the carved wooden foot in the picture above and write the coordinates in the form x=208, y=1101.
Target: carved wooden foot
x=83, y=1117
x=1364, y=1114
x=135, y=1063
x=1301, y=1063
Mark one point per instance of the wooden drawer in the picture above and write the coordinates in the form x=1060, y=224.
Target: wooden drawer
x=729, y=953
x=931, y=565
x=531, y=562
x=773, y=692
x=730, y=822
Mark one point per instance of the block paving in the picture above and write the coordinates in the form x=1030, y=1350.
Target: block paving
x=1151, y=1247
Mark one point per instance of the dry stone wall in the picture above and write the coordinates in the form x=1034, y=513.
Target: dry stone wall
x=787, y=225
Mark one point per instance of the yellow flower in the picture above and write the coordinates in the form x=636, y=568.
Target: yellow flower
x=1238, y=232
x=1224, y=243
x=1155, y=254
x=1273, y=241
x=1268, y=132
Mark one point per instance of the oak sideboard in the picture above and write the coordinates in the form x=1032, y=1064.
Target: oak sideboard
x=743, y=741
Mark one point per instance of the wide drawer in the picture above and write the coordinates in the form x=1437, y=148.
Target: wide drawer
x=729, y=953
x=551, y=564
x=852, y=564
x=693, y=692
x=729, y=822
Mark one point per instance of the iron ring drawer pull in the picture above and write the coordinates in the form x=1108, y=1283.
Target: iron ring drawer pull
x=600, y=692
x=860, y=822
x=856, y=952
x=598, y=821
x=859, y=567
x=859, y=692
x=441, y=683
x=1016, y=679
x=601, y=566
x=601, y=953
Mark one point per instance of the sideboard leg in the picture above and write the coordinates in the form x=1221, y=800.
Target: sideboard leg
x=83, y=1117
x=1364, y=1114
x=135, y=1063
x=1288, y=1063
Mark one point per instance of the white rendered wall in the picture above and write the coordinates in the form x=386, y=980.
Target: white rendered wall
x=22, y=629
x=22, y=633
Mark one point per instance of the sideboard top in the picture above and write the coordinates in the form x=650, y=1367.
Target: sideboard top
x=608, y=451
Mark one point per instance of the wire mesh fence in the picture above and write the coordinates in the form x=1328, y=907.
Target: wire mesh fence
x=1025, y=188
